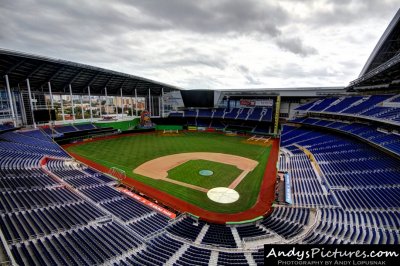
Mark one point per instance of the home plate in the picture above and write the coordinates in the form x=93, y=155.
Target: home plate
x=223, y=195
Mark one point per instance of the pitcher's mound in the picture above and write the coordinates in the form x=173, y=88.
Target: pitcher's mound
x=223, y=195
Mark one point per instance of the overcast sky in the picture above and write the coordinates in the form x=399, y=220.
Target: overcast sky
x=205, y=44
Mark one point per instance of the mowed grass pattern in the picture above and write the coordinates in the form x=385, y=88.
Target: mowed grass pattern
x=188, y=172
x=131, y=151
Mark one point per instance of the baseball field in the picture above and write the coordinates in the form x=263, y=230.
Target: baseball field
x=186, y=166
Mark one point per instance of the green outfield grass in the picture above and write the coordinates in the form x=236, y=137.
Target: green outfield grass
x=188, y=172
x=128, y=152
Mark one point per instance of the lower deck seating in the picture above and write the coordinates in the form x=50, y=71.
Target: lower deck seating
x=345, y=226
x=251, y=230
x=194, y=256
x=37, y=179
x=126, y=208
x=362, y=181
x=258, y=257
x=369, y=198
x=158, y=251
x=306, y=186
x=287, y=222
x=357, y=175
x=220, y=235
x=150, y=224
x=30, y=224
x=228, y=259
x=84, y=246
x=187, y=228
x=21, y=200
x=83, y=181
x=85, y=126
x=36, y=134
x=5, y=127
x=388, y=140
x=101, y=193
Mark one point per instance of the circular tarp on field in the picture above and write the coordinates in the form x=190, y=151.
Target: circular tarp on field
x=223, y=195
x=206, y=172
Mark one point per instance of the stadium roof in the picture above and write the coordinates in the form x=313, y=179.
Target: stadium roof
x=387, y=47
x=385, y=76
x=40, y=70
x=382, y=70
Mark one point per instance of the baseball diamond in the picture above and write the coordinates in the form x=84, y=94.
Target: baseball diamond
x=237, y=165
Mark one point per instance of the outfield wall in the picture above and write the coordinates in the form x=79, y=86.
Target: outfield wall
x=121, y=125
x=169, y=127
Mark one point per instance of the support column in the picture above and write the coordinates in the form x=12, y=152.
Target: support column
x=131, y=106
x=162, y=102
x=18, y=97
x=150, y=105
x=28, y=85
x=11, y=105
x=159, y=106
x=90, y=104
x=106, y=106
x=136, y=110
x=83, y=112
x=62, y=108
x=101, y=112
x=51, y=95
x=116, y=105
x=122, y=105
x=72, y=103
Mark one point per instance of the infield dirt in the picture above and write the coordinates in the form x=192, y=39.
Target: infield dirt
x=158, y=168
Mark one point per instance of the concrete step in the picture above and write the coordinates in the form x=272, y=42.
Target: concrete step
x=202, y=234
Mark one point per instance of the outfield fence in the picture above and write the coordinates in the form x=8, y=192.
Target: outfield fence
x=121, y=125
x=169, y=127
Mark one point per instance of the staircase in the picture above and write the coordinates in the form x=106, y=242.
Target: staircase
x=140, y=218
x=389, y=102
x=250, y=259
x=213, y=258
x=315, y=103
x=202, y=233
x=334, y=103
x=262, y=227
x=177, y=255
x=236, y=236
x=40, y=104
x=355, y=103
x=27, y=105
x=249, y=113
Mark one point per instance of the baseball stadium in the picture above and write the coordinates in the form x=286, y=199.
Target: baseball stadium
x=99, y=167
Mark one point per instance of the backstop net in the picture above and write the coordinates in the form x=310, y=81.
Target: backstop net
x=117, y=173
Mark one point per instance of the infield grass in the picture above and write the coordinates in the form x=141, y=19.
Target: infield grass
x=188, y=172
x=128, y=152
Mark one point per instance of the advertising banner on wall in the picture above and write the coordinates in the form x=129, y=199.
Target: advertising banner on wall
x=256, y=102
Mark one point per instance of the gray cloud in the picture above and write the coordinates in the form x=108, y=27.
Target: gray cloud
x=236, y=16
x=251, y=80
x=343, y=12
x=296, y=46
x=71, y=27
x=193, y=61
x=195, y=43
x=296, y=71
